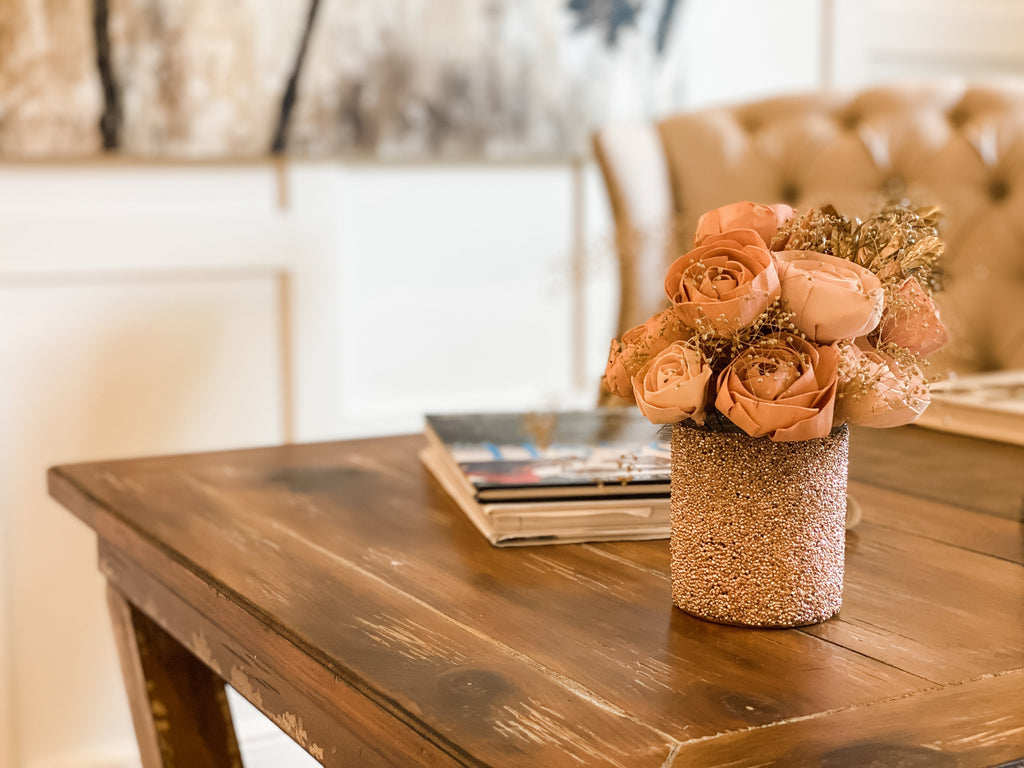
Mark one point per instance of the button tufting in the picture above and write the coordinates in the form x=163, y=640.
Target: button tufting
x=750, y=122
x=952, y=146
x=998, y=189
x=789, y=193
x=957, y=117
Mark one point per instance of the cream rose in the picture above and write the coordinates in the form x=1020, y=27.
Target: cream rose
x=783, y=387
x=832, y=298
x=911, y=320
x=876, y=391
x=637, y=346
x=723, y=284
x=673, y=386
x=763, y=219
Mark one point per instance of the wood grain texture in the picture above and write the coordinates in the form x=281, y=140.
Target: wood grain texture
x=179, y=707
x=977, y=723
x=614, y=632
x=463, y=697
x=337, y=721
x=345, y=589
x=929, y=589
x=931, y=608
x=974, y=531
x=980, y=475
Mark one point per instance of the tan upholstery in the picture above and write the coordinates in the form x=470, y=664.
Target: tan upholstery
x=961, y=147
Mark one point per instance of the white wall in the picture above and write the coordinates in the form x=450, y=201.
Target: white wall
x=877, y=41
x=748, y=49
x=149, y=309
x=154, y=309
x=126, y=320
x=457, y=294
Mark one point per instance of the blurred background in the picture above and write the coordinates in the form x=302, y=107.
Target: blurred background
x=238, y=223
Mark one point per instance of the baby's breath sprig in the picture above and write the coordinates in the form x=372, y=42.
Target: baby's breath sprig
x=719, y=351
x=823, y=230
x=862, y=377
x=903, y=357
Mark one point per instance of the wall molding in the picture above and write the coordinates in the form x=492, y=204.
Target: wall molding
x=305, y=253
x=107, y=277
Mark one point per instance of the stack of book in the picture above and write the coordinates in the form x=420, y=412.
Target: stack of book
x=986, y=405
x=551, y=478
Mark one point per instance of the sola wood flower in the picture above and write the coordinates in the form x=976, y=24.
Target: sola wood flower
x=763, y=327
x=673, y=386
x=636, y=348
x=763, y=219
x=911, y=320
x=723, y=284
x=831, y=298
x=876, y=391
x=783, y=386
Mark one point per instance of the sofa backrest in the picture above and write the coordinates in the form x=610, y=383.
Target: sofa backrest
x=955, y=145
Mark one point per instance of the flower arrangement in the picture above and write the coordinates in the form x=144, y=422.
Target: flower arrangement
x=786, y=324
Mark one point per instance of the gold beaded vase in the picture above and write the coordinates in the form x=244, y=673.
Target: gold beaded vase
x=758, y=527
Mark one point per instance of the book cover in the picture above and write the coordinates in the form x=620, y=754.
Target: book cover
x=573, y=454
x=531, y=522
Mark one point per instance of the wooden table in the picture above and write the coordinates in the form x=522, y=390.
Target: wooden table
x=339, y=590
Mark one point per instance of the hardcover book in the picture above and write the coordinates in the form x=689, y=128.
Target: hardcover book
x=553, y=477
x=986, y=405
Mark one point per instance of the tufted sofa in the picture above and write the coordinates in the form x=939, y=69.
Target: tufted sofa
x=955, y=145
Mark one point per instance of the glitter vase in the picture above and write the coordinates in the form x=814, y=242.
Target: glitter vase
x=758, y=527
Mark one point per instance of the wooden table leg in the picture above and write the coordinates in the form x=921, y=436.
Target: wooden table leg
x=179, y=706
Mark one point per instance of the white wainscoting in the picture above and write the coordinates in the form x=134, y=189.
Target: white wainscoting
x=140, y=314
x=878, y=41
x=154, y=309
x=459, y=295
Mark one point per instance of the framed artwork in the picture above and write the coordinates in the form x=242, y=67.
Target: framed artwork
x=407, y=79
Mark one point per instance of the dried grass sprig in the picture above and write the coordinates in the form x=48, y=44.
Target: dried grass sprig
x=900, y=242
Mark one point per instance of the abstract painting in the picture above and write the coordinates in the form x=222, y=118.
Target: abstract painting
x=194, y=79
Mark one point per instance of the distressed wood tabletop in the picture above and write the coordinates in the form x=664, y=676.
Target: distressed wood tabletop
x=340, y=591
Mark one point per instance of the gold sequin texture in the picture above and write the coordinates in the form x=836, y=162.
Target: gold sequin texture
x=758, y=527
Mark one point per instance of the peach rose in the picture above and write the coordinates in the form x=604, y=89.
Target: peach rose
x=725, y=283
x=911, y=320
x=784, y=387
x=763, y=219
x=832, y=298
x=876, y=391
x=637, y=346
x=673, y=386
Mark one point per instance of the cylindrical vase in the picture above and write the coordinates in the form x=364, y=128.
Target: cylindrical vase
x=758, y=527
